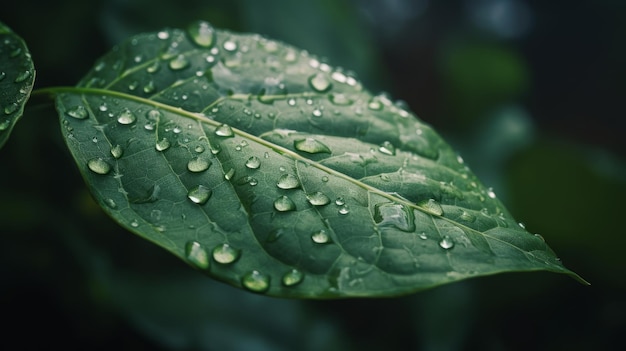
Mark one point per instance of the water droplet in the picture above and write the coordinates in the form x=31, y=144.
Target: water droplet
x=224, y=130
x=199, y=149
x=149, y=88
x=387, y=148
x=293, y=277
x=256, y=281
x=291, y=102
x=491, y=193
x=22, y=77
x=162, y=144
x=154, y=67
x=446, y=242
x=197, y=255
x=199, y=194
x=394, y=215
x=99, y=166
x=431, y=206
x=319, y=82
x=202, y=33
x=344, y=210
x=153, y=115
x=134, y=223
x=78, y=112
x=340, y=201
x=284, y=204
x=198, y=164
x=318, y=199
x=310, y=145
x=324, y=179
x=253, y=162
x=4, y=125
x=288, y=181
x=522, y=225
x=10, y=108
x=423, y=236
x=179, y=62
x=2, y=75
x=225, y=254
x=163, y=35
x=317, y=112
x=126, y=117
x=117, y=151
x=111, y=203
x=468, y=217
x=340, y=99
x=375, y=104
x=320, y=237
x=229, y=46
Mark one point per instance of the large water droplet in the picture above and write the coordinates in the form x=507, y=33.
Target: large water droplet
x=162, y=144
x=293, y=277
x=198, y=164
x=431, y=206
x=225, y=254
x=117, y=151
x=202, y=33
x=310, y=145
x=78, y=112
x=387, y=148
x=446, y=242
x=288, y=181
x=224, y=130
x=394, y=215
x=284, y=204
x=256, y=281
x=99, y=166
x=199, y=194
x=320, y=237
x=179, y=62
x=253, y=162
x=319, y=82
x=318, y=199
x=126, y=116
x=197, y=255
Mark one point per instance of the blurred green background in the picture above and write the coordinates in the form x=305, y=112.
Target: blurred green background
x=529, y=92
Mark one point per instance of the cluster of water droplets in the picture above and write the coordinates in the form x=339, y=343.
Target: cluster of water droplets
x=16, y=76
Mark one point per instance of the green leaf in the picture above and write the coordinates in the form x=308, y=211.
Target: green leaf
x=17, y=76
x=268, y=169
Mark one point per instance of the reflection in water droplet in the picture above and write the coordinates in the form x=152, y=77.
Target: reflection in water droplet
x=284, y=204
x=423, y=236
x=198, y=164
x=256, y=281
x=78, y=112
x=117, y=151
x=318, y=199
x=197, y=255
x=253, y=162
x=491, y=193
x=340, y=201
x=293, y=277
x=431, y=206
x=320, y=237
x=387, y=148
x=446, y=242
x=199, y=194
x=99, y=166
x=224, y=130
x=310, y=145
x=230, y=46
x=319, y=82
x=288, y=181
x=344, y=210
x=394, y=215
x=375, y=104
x=202, y=33
x=225, y=254
x=126, y=116
x=179, y=62
x=162, y=144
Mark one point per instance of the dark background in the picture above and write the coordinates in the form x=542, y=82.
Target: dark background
x=529, y=92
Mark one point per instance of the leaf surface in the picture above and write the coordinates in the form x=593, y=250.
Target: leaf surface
x=270, y=170
x=17, y=76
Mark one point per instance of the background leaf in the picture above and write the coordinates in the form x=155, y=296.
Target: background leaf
x=17, y=76
x=268, y=169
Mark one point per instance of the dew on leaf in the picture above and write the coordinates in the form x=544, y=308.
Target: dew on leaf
x=446, y=242
x=117, y=151
x=431, y=206
x=154, y=67
x=149, y=88
x=126, y=117
x=10, y=108
x=199, y=194
x=163, y=144
x=318, y=199
x=256, y=281
x=394, y=215
x=22, y=76
x=293, y=277
x=340, y=99
x=202, y=33
x=197, y=255
x=78, y=112
x=229, y=46
x=253, y=162
x=153, y=115
x=99, y=166
x=224, y=130
x=284, y=204
x=178, y=63
x=225, y=254
x=288, y=181
x=468, y=217
x=387, y=148
x=198, y=164
x=311, y=146
x=344, y=210
x=319, y=82
x=320, y=237
x=230, y=174
x=340, y=201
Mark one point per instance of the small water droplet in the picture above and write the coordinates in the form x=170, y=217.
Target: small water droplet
x=522, y=225
x=10, y=108
x=284, y=204
x=446, y=242
x=491, y=193
x=199, y=194
x=134, y=223
x=154, y=67
x=153, y=115
x=375, y=104
x=111, y=203
x=99, y=166
x=344, y=210
x=78, y=112
x=163, y=35
x=198, y=164
x=293, y=277
x=319, y=82
x=468, y=217
x=229, y=46
x=311, y=145
x=256, y=281
x=253, y=162
x=387, y=148
x=197, y=255
x=162, y=144
x=318, y=199
x=126, y=117
x=230, y=174
x=324, y=179
x=22, y=76
x=199, y=149
x=340, y=100
x=340, y=201
x=2, y=76
x=317, y=112
x=224, y=130
x=225, y=254
x=291, y=102
x=4, y=125
x=103, y=107
x=149, y=88
x=179, y=62
x=202, y=33
x=423, y=236
x=117, y=151
x=431, y=206
x=288, y=181
x=320, y=237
